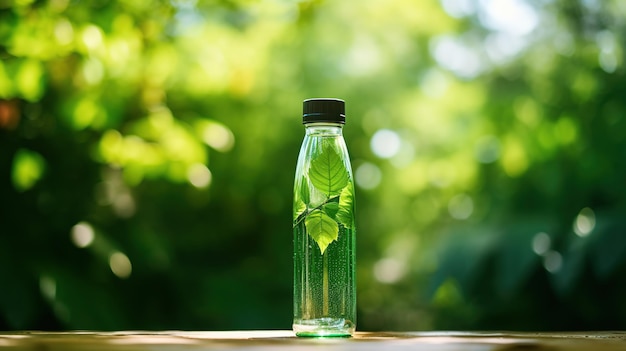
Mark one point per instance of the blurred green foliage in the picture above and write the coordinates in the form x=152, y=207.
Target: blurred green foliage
x=148, y=147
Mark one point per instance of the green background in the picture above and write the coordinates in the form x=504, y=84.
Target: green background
x=147, y=154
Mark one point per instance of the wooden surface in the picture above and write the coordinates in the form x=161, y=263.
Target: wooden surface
x=285, y=340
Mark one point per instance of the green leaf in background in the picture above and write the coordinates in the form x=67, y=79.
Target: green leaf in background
x=328, y=172
x=323, y=229
x=344, y=213
x=140, y=96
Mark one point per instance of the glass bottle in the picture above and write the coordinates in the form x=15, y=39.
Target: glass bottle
x=324, y=226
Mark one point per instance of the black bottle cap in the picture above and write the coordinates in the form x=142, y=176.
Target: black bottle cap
x=323, y=110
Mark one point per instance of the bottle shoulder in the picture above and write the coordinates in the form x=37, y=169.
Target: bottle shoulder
x=323, y=129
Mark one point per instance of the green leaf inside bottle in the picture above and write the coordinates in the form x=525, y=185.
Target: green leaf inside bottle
x=329, y=184
x=328, y=172
x=344, y=213
x=323, y=229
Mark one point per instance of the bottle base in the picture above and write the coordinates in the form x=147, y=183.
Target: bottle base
x=324, y=327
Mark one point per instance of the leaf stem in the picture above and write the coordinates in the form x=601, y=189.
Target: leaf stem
x=325, y=285
x=305, y=213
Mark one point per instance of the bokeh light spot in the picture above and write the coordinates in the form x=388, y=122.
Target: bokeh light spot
x=93, y=71
x=218, y=136
x=501, y=47
x=552, y=261
x=607, y=57
x=92, y=37
x=84, y=114
x=9, y=111
x=124, y=204
x=82, y=234
x=58, y=5
x=511, y=16
x=514, y=159
x=28, y=168
x=48, y=287
x=385, y=143
x=363, y=58
x=64, y=32
x=541, y=243
x=457, y=55
x=434, y=83
x=585, y=222
x=29, y=80
x=459, y=8
x=368, y=176
x=461, y=206
x=120, y=265
x=199, y=175
x=388, y=270
x=565, y=130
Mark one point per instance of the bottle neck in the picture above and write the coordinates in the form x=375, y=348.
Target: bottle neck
x=324, y=128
